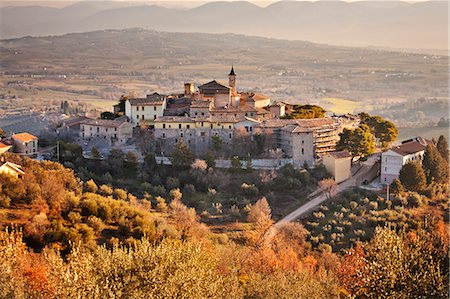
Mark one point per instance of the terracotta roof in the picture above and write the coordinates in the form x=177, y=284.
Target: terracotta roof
x=3, y=145
x=295, y=129
x=313, y=123
x=200, y=104
x=262, y=111
x=103, y=122
x=24, y=137
x=214, y=85
x=340, y=154
x=410, y=147
x=73, y=121
x=240, y=109
x=151, y=100
x=180, y=119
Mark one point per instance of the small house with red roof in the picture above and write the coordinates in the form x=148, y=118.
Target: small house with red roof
x=25, y=143
x=393, y=159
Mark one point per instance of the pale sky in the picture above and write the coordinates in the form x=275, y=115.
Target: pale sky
x=169, y=3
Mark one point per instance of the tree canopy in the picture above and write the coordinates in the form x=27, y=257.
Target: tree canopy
x=182, y=157
x=306, y=111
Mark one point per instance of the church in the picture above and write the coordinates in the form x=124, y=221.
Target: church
x=222, y=99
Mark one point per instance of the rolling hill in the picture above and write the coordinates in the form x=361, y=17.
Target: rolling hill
x=391, y=24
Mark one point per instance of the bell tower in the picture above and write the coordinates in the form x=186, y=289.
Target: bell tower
x=232, y=80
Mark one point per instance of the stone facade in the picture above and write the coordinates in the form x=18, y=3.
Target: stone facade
x=116, y=131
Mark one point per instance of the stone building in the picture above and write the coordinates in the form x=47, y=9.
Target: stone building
x=25, y=143
x=116, y=131
x=198, y=131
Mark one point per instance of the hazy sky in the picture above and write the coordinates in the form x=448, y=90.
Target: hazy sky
x=172, y=3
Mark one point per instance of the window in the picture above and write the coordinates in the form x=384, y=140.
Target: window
x=137, y=116
x=188, y=126
x=115, y=129
x=229, y=127
x=154, y=116
x=211, y=126
x=230, y=135
x=179, y=126
x=115, y=136
x=143, y=108
x=385, y=169
x=164, y=126
x=202, y=133
x=137, y=108
x=176, y=140
x=181, y=135
x=303, y=141
x=170, y=126
x=203, y=113
x=202, y=124
x=98, y=130
x=154, y=108
x=106, y=129
x=142, y=116
x=246, y=114
x=385, y=179
x=196, y=113
x=303, y=151
x=164, y=135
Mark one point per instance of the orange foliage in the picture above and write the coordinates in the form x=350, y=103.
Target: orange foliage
x=309, y=262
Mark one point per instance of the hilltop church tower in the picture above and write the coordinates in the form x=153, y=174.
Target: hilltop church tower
x=232, y=80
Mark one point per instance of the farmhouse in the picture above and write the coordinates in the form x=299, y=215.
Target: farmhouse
x=393, y=159
x=25, y=143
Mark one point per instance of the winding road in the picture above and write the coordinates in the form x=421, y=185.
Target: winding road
x=355, y=180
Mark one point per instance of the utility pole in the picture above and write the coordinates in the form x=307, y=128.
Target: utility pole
x=387, y=192
x=57, y=151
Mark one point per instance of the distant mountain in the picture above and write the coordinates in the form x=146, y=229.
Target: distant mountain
x=392, y=24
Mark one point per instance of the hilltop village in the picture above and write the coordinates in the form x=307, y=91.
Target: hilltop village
x=221, y=122
x=220, y=116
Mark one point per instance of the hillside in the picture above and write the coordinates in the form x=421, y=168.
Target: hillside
x=62, y=235
x=101, y=65
x=364, y=23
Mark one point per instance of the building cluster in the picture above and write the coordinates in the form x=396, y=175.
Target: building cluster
x=219, y=111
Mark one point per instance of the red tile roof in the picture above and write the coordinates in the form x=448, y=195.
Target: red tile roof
x=409, y=148
x=24, y=137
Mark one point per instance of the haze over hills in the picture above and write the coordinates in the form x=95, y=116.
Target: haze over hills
x=102, y=65
x=392, y=24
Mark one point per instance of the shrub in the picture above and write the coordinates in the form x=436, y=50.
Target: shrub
x=172, y=183
x=120, y=194
x=189, y=189
x=96, y=223
x=249, y=189
x=91, y=186
x=175, y=194
x=161, y=205
x=74, y=217
x=106, y=190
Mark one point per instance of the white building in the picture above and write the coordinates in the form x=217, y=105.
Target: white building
x=116, y=131
x=393, y=159
x=145, y=109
